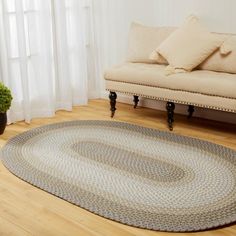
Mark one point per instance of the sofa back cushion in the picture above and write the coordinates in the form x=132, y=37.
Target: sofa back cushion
x=143, y=40
x=222, y=63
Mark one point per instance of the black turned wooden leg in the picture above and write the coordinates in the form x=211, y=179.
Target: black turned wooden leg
x=113, y=97
x=170, y=107
x=190, y=111
x=136, y=100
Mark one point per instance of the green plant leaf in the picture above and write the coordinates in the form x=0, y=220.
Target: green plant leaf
x=5, y=98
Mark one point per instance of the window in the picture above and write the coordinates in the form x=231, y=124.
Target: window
x=21, y=39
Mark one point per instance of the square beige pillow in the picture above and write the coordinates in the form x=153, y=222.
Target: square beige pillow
x=223, y=60
x=143, y=40
x=189, y=46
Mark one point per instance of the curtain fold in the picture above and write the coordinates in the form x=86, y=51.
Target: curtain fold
x=47, y=55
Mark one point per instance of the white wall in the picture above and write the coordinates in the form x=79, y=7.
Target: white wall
x=218, y=15
x=116, y=16
x=121, y=14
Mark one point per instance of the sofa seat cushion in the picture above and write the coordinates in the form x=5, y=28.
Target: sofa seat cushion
x=198, y=81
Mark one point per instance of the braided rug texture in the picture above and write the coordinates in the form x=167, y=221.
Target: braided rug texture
x=134, y=175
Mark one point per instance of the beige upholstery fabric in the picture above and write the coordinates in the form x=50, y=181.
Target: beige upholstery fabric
x=189, y=45
x=222, y=63
x=153, y=75
x=158, y=58
x=197, y=99
x=203, y=88
x=143, y=40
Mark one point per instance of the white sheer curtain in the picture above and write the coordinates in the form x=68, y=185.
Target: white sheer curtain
x=47, y=55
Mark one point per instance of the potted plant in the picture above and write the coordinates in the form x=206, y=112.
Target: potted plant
x=5, y=103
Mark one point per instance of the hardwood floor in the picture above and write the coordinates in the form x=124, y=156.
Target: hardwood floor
x=26, y=210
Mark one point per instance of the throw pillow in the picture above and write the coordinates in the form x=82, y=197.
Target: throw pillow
x=223, y=60
x=189, y=46
x=143, y=40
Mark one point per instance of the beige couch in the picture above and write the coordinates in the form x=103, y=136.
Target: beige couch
x=212, y=85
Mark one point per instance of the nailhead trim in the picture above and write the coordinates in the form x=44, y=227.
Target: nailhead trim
x=179, y=90
x=175, y=101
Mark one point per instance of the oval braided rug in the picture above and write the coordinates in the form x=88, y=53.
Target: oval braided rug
x=137, y=176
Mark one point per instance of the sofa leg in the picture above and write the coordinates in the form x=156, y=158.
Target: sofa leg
x=170, y=107
x=136, y=101
x=190, y=111
x=113, y=97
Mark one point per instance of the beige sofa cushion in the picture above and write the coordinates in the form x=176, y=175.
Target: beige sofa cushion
x=177, y=96
x=199, y=81
x=143, y=40
x=189, y=45
x=222, y=63
x=158, y=58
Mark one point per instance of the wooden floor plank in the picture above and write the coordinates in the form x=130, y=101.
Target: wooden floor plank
x=10, y=229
